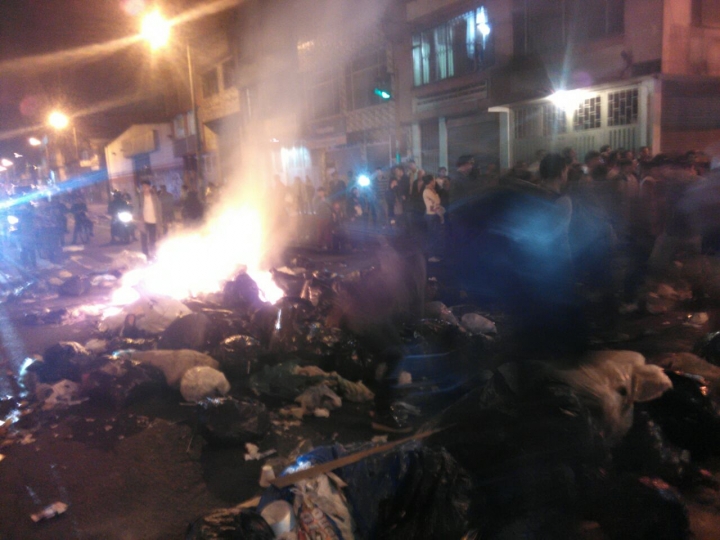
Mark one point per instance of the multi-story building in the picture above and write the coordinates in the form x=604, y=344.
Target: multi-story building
x=495, y=78
x=316, y=86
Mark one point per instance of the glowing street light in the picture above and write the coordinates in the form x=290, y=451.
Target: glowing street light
x=155, y=29
x=34, y=142
x=567, y=100
x=58, y=120
x=6, y=162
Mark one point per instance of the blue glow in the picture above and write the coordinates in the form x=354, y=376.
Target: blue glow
x=67, y=186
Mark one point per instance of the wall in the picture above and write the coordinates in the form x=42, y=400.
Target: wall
x=688, y=49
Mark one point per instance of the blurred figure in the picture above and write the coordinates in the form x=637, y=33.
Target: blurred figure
x=167, y=203
x=27, y=236
x=394, y=202
x=433, y=219
x=323, y=213
x=79, y=211
x=150, y=218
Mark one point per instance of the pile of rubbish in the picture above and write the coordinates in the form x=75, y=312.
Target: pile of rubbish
x=501, y=449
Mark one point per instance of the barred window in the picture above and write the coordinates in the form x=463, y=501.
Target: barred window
x=623, y=107
x=527, y=122
x=554, y=120
x=587, y=115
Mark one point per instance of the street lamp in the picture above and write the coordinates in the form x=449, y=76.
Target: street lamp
x=60, y=121
x=34, y=142
x=155, y=29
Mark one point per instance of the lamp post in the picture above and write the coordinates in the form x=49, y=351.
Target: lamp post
x=155, y=29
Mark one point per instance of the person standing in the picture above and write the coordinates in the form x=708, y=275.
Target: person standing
x=167, y=202
x=150, y=216
x=433, y=217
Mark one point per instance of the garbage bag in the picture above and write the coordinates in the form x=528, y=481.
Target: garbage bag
x=438, y=310
x=75, y=286
x=281, y=382
x=203, y=382
x=647, y=452
x=174, y=364
x=708, y=347
x=119, y=383
x=242, y=293
x=64, y=360
x=322, y=510
x=153, y=315
x=409, y=492
x=63, y=393
x=238, y=355
x=187, y=332
x=127, y=343
x=631, y=508
x=231, y=421
x=318, y=397
x=290, y=284
x=687, y=416
x=230, y=524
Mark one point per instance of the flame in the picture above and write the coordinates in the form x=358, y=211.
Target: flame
x=199, y=262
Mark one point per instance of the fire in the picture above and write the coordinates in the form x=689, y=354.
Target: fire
x=200, y=262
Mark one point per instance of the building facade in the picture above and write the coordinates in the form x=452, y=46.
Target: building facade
x=501, y=80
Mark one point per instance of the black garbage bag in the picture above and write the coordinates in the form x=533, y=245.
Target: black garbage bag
x=126, y=343
x=530, y=446
x=319, y=294
x=238, y=356
x=75, y=286
x=409, y=492
x=290, y=284
x=292, y=316
x=228, y=421
x=708, y=347
x=242, y=293
x=280, y=383
x=64, y=360
x=645, y=508
x=120, y=383
x=55, y=316
x=263, y=323
x=645, y=451
x=230, y=524
x=687, y=416
x=225, y=324
x=188, y=332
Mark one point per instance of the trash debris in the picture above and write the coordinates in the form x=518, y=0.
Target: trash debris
x=174, y=364
x=128, y=260
x=64, y=360
x=203, y=382
x=61, y=394
x=321, y=413
x=318, y=397
x=186, y=332
x=47, y=316
x=104, y=280
x=75, y=286
x=279, y=515
x=322, y=510
x=477, y=324
x=238, y=355
x=691, y=364
x=237, y=522
x=379, y=439
x=152, y=314
x=438, y=310
x=242, y=293
x=698, y=319
x=55, y=509
x=708, y=347
x=231, y=421
x=97, y=346
x=252, y=453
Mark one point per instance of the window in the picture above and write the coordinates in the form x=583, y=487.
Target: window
x=554, y=120
x=210, y=83
x=548, y=26
x=587, y=115
x=460, y=46
x=364, y=74
x=324, y=95
x=228, y=70
x=623, y=107
x=527, y=122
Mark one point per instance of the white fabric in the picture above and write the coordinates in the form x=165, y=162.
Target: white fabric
x=149, y=209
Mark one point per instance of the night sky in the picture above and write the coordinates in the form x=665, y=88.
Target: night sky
x=33, y=83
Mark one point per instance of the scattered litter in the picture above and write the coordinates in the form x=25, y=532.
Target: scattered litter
x=477, y=324
x=64, y=393
x=174, y=364
x=318, y=397
x=377, y=439
x=203, y=382
x=27, y=438
x=97, y=346
x=321, y=413
x=404, y=378
x=698, y=319
x=267, y=475
x=438, y=310
x=253, y=454
x=231, y=421
x=49, y=512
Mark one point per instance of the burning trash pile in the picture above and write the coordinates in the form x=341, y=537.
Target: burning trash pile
x=501, y=449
